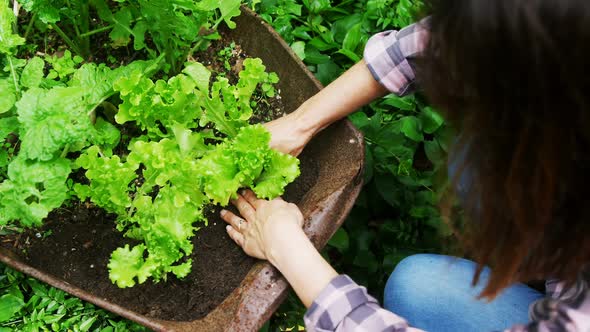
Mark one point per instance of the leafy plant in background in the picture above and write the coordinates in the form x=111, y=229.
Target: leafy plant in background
x=173, y=28
x=29, y=305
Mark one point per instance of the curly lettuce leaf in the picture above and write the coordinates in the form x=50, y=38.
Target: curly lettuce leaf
x=109, y=180
x=246, y=161
x=162, y=102
x=127, y=264
x=32, y=190
x=280, y=170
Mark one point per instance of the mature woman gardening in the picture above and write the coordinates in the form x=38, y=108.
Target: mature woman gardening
x=512, y=77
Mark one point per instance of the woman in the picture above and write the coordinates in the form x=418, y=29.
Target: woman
x=513, y=76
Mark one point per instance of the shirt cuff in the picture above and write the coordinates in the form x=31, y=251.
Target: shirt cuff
x=387, y=55
x=336, y=301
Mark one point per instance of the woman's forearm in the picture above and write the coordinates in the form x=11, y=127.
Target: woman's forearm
x=354, y=89
x=303, y=266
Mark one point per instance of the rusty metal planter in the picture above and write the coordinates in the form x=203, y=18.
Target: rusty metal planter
x=339, y=152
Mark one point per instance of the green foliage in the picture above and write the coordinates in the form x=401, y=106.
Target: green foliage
x=29, y=305
x=330, y=35
x=51, y=118
x=8, y=40
x=184, y=174
x=175, y=27
x=32, y=190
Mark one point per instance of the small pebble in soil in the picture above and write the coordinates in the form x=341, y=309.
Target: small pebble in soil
x=352, y=141
x=38, y=235
x=92, y=266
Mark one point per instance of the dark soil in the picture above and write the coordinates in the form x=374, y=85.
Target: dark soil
x=82, y=240
x=76, y=242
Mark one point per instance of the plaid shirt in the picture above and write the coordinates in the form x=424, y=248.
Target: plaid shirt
x=345, y=306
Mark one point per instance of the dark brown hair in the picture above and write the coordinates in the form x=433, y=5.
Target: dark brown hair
x=513, y=77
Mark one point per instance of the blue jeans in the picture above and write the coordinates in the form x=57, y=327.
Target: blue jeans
x=434, y=293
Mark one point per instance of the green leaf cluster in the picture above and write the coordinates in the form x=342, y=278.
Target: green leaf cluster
x=29, y=305
x=330, y=36
x=50, y=117
x=176, y=28
x=160, y=188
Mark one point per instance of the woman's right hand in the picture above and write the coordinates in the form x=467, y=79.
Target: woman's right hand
x=262, y=227
x=289, y=134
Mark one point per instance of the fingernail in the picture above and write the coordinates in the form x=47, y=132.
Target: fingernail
x=222, y=212
x=243, y=192
x=227, y=228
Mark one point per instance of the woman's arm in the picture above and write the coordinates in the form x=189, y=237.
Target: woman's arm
x=272, y=230
x=386, y=67
x=355, y=88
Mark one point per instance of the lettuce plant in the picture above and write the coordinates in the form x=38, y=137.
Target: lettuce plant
x=195, y=146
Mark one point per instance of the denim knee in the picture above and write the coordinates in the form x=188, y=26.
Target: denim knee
x=410, y=281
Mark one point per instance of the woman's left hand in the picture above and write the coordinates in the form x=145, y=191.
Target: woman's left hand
x=265, y=224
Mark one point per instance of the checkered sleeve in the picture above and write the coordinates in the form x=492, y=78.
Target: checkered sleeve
x=389, y=56
x=345, y=306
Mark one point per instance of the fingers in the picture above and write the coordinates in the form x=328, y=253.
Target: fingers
x=235, y=221
x=245, y=208
x=235, y=235
x=252, y=199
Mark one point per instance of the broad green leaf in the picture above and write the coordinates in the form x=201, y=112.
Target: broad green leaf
x=8, y=40
x=352, y=38
x=51, y=120
x=431, y=120
x=313, y=56
x=200, y=74
x=341, y=27
x=406, y=103
x=7, y=95
x=328, y=72
x=339, y=240
x=350, y=54
x=299, y=49
x=282, y=169
x=434, y=152
x=411, y=127
x=228, y=9
x=121, y=21
x=318, y=6
x=9, y=305
x=87, y=324
x=33, y=189
x=128, y=264
x=32, y=75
